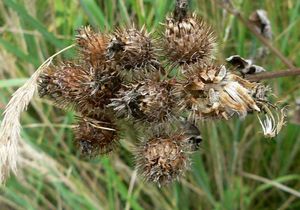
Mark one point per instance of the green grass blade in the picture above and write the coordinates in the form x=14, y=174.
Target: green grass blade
x=95, y=14
x=12, y=82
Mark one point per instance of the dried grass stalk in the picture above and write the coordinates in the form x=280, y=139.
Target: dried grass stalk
x=11, y=127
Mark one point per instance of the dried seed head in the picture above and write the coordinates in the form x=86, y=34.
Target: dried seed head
x=131, y=49
x=88, y=90
x=95, y=137
x=274, y=120
x=188, y=41
x=212, y=92
x=92, y=46
x=162, y=159
x=149, y=101
x=260, y=93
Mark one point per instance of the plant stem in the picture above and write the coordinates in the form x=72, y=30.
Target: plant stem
x=230, y=8
x=273, y=75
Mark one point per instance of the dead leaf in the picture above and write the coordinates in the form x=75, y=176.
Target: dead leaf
x=245, y=66
x=262, y=23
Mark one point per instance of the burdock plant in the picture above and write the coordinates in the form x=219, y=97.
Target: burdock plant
x=126, y=76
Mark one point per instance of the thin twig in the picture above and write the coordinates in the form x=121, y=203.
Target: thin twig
x=273, y=74
x=250, y=26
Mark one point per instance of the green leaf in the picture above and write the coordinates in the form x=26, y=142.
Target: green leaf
x=94, y=13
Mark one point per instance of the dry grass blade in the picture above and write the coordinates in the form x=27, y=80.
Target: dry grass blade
x=130, y=189
x=11, y=127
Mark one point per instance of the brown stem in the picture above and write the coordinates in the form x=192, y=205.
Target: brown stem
x=250, y=26
x=273, y=75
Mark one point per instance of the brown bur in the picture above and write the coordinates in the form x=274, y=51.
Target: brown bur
x=188, y=41
x=86, y=89
x=162, y=159
x=95, y=137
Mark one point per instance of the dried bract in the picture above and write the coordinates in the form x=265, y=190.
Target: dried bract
x=245, y=66
x=273, y=122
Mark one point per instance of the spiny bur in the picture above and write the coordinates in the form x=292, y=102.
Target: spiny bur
x=132, y=49
x=86, y=89
x=188, y=40
x=127, y=75
x=95, y=136
x=149, y=101
x=161, y=159
x=92, y=46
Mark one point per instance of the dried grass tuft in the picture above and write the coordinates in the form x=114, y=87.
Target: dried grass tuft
x=10, y=127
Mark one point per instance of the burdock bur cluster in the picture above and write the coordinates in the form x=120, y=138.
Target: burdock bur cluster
x=162, y=86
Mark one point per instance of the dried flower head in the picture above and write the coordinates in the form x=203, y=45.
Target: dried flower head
x=85, y=88
x=211, y=91
x=97, y=85
x=149, y=101
x=132, y=49
x=92, y=46
x=188, y=41
x=162, y=159
x=273, y=122
x=95, y=136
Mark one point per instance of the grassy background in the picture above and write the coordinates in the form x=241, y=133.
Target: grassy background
x=226, y=173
